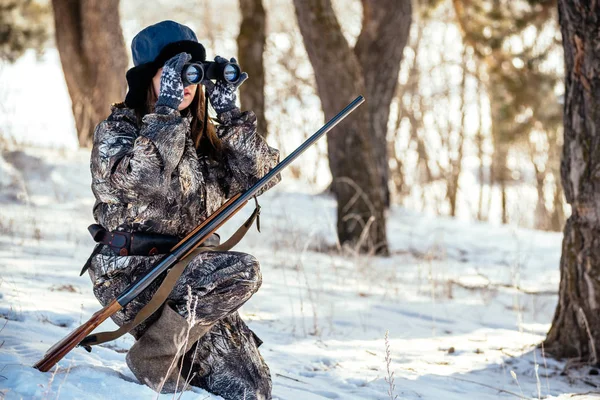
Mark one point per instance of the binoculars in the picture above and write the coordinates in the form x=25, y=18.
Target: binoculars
x=194, y=73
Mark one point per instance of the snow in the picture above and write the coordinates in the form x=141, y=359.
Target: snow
x=465, y=304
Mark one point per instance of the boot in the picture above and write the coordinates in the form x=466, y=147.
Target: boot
x=154, y=358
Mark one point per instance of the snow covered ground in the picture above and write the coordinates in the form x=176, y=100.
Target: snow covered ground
x=465, y=304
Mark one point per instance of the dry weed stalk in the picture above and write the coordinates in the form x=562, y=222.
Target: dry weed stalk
x=545, y=367
x=594, y=359
x=4, y=325
x=313, y=301
x=390, y=374
x=47, y=392
x=192, y=302
x=312, y=294
x=514, y=375
x=536, y=367
x=64, y=379
x=500, y=390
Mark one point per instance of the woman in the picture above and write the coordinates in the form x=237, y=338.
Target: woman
x=161, y=167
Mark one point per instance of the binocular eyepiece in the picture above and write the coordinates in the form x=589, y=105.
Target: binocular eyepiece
x=194, y=73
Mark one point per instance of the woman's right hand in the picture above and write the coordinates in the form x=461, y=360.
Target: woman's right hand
x=171, y=85
x=221, y=94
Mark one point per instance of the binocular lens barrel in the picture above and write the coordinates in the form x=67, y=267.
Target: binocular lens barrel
x=231, y=73
x=195, y=73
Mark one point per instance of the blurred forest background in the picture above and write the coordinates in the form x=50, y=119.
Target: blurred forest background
x=474, y=123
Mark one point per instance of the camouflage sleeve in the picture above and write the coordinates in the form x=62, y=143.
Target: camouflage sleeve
x=248, y=155
x=128, y=165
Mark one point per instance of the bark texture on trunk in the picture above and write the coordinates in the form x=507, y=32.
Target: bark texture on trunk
x=575, y=330
x=93, y=57
x=357, y=147
x=379, y=49
x=251, y=45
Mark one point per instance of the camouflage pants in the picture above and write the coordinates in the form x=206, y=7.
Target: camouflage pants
x=226, y=360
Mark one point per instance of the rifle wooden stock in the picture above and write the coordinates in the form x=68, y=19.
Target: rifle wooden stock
x=182, y=249
x=60, y=349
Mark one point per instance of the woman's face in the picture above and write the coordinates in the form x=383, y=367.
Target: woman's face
x=188, y=92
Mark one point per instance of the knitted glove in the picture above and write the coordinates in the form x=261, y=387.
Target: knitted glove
x=222, y=94
x=171, y=86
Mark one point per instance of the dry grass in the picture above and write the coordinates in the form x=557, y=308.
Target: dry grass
x=594, y=359
x=49, y=384
x=192, y=303
x=390, y=374
x=64, y=379
x=64, y=288
x=514, y=376
x=347, y=266
x=5, y=321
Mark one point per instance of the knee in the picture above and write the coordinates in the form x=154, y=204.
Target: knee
x=223, y=272
x=251, y=272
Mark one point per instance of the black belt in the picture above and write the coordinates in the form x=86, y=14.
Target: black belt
x=135, y=243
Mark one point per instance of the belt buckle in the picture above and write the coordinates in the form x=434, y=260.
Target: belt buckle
x=119, y=241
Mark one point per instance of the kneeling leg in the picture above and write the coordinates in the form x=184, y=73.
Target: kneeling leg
x=221, y=281
x=226, y=361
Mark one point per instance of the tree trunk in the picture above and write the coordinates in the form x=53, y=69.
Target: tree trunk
x=501, y=132
x=379, y=49
x=355, y=149
x=455, y=163
x=481, y=215
x=94, y=60
x=575, y=330
x=251, y=45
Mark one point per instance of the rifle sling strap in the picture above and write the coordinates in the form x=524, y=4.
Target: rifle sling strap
x=167, y=286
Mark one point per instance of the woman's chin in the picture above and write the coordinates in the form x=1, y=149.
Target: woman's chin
x=184, y=104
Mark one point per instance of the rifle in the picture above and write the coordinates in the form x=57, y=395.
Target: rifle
x=182, y=249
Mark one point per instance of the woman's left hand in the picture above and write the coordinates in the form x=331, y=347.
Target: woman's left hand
x=222, y=93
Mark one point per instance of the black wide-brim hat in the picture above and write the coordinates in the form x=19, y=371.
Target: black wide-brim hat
x=150, y=49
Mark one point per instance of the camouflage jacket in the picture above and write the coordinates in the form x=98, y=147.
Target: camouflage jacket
x=150, y=178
